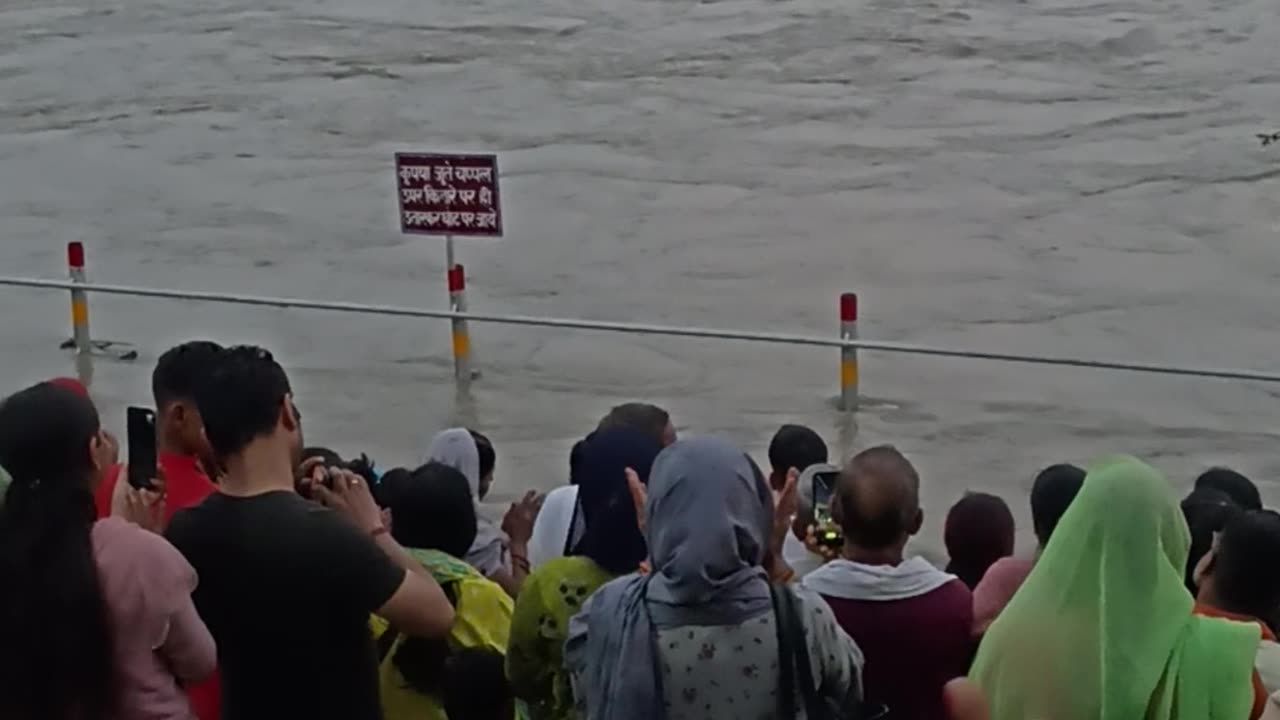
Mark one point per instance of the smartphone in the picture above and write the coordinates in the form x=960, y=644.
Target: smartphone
x=824, y=486
x=140, y=424
x=823, y=479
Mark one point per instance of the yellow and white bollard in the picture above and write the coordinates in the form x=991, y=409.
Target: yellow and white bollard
x=461, y=337
x=81, y=341
x=849, y=355
x=79, y=301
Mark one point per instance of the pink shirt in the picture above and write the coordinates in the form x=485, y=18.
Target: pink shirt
x=159, y=638
x=996, y=589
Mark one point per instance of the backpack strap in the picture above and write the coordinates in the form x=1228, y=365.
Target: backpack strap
x=793, y=626
x=786, y=667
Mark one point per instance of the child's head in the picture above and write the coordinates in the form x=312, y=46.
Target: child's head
x=475, y=686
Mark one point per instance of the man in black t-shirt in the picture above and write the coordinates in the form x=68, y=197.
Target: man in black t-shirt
x=287, y=585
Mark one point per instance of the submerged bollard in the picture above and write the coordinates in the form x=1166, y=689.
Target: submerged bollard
x=849, y=355
x=79, y=301
x=80, y=339
x=461, y=337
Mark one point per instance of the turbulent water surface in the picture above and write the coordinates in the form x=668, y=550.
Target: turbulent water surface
x=1057, y=176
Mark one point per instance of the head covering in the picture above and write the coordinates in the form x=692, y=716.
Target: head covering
x=979, y=531
x=1102, y=627
x=457, y=449
x=707, y=522
x=550, y=537
x=610, y=535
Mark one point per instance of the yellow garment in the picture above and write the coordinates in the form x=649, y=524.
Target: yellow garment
x=551, y=595
x=482, y=619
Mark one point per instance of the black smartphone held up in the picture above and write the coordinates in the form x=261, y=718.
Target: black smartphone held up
x=141, y=428
x=823, y=486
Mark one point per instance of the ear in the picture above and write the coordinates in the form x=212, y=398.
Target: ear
x=287, y=419
x=917, y=523
x=97, y=451
x=179, y=412
x=1207, y=563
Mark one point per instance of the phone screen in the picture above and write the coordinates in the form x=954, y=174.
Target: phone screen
x=824, y=484
x=826, y=531
x=141, y=428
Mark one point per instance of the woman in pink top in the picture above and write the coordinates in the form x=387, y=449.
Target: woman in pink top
x=96, y=618
x=1051, y=494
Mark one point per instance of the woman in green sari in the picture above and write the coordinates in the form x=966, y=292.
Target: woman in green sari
x=1102, y=629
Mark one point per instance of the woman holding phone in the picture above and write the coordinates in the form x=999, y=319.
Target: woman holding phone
x=96, y=617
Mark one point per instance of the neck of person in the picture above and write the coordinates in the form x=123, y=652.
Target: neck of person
x=1208, y=595
x=167, y=444
x=892, y=555
x=264, y=465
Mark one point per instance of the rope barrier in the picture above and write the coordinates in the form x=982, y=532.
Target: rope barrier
x=647, y=329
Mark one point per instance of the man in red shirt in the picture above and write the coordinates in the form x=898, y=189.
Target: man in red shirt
x=182, y=453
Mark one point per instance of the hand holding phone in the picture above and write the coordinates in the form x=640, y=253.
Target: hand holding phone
x=140, y=424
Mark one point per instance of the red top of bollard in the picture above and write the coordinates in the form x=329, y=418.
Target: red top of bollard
x=75, y=254
x=849, y=307
x=457, y=279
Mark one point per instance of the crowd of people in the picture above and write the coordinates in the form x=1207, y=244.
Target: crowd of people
x=256, y=577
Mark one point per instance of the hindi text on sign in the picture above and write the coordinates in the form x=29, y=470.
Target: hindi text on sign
x=448, y=194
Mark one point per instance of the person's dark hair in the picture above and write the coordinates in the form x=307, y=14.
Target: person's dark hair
x=1244, y=565
x=390, y=480
x=1051, y=494
x=1239, y=488
x=648, y=419
x=330, y=457
x=431, y=509
x=181, y=369
x=476, y=686
x=979, y=531
x=241, y=398
x=610, y=536
x=879, y=498
x=366, y=468
x=575, y=457
x=1207, y=512
x=484, y=447
x=61, y=669
x=796, y=446
x=362, y=466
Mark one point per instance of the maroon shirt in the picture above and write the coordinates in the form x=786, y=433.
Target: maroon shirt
x=912, y=647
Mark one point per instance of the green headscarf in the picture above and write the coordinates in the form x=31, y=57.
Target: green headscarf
x=1103, y=629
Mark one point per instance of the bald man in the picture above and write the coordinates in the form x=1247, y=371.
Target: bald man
x=912, y=621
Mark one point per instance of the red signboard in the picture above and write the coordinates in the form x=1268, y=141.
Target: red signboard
x=448, y=194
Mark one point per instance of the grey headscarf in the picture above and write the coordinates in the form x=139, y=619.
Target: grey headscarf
x=457, y=449
x=707, y=523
